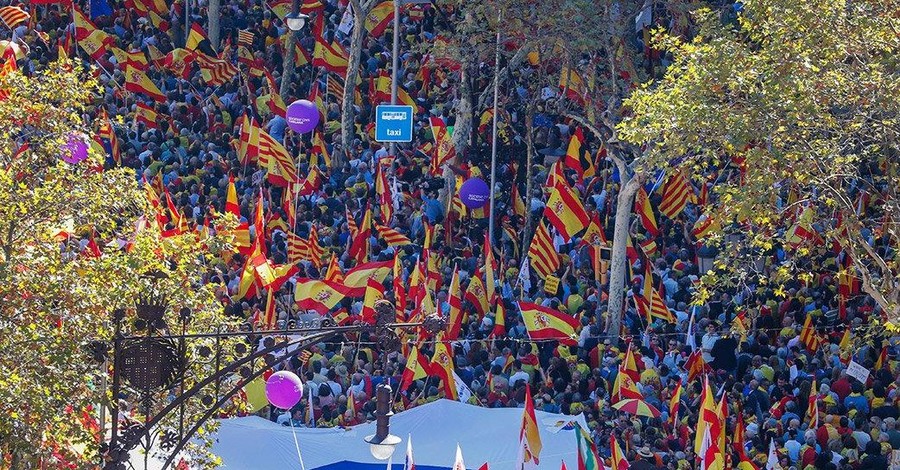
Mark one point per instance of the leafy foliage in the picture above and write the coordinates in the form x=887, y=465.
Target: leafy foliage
x=797, y=103
x=56, y=295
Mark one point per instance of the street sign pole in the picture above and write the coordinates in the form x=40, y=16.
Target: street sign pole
x=395, y=58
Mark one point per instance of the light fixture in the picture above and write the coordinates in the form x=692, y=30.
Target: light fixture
x=706, y=255
x=382, y=443
x=296, y=22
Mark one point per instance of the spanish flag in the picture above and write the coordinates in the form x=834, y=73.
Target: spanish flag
x=499, y=321
x=675, y=403
x=443, y=146
x=374, y=293
x=138, y=82
x=706, y=418
x=197, y=41
x=399, y=290
x=146, y=114
x=565, y=211
x=578, y=158
x=320, y=296
x=415, y=369
x=529, y=434
x=617, y=457
x=546, y=323
x=442, y=367
x=231, y=200
x=379, y=18
x=624, y=387
x=332, y=56
x=645, y=211
x=355, y=279
x=248, y=152
x=476, y=294
x=454, y=322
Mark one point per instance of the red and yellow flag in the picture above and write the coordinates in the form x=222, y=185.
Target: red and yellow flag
x=541, y=252
x=454, y=322
x=675, y=195
x=416, y=368
x=320, y=296
x=356, y=278
x=137, y=81
x=565, y=211
x=529, y=434
x=442, y=367
x=547, y=323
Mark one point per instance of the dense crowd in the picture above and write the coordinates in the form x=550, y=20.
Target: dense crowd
x=756, y=362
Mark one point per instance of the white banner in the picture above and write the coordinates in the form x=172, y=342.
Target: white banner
x=857, y=371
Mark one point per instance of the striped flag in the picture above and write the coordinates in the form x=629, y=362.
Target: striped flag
x=476, y=294
x=676, y=193
x=808, y=335
x=320, y=296
x=276, y=159
x=215, y=71
x=391, y=236
x=245, y=37
x=335, y=88
x=454, y=321
x=297, y=248
x=541, y=252
x=674, y=404
x=13, y=16
x=650, y=303
x=137, y=81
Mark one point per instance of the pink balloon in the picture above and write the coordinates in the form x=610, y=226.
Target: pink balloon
x=284, y=389
x=75, y=150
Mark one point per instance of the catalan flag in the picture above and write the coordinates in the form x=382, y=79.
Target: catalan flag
x=541, y=252
x=547, y=323
x=360, y=246
x=216, y=71
x=245, y=37
x=808, y=335
x=13, y=16
x=333, y=273
x=391, y=236
x=565, y=211
x=675, y=195
x=297, y=248
x=675, y=403
x=650, y=303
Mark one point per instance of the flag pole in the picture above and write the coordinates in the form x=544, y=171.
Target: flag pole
x=494, y=131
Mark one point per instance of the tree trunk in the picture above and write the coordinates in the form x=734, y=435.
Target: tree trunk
x=348, y=115
x=462, y=129
x=289, y=65
x=619, y=250
x=529, y=175
x=214, y=14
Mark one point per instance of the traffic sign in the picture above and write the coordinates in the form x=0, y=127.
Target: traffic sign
x=393, y=123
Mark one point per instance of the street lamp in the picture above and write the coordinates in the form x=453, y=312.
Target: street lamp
x=382, y=443
x=296, y=21
x=706, y=255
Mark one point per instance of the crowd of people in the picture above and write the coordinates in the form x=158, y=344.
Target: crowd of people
x=783, y=399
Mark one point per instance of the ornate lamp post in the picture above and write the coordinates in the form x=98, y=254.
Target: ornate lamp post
x=382, y=443
x=150, y=360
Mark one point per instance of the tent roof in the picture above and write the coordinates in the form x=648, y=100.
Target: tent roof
x=484, y=434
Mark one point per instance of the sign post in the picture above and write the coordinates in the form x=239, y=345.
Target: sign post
x=393, y=123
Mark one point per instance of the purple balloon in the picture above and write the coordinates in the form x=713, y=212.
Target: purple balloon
x=302, y=116
x=284, y=389
x=75, y=150
x=474, y=193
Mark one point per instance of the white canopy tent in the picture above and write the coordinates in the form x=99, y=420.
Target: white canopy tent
x=484, y=434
